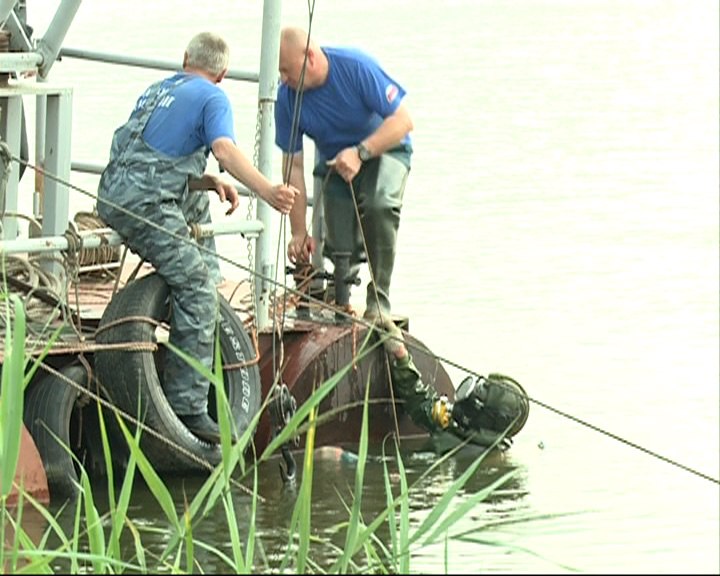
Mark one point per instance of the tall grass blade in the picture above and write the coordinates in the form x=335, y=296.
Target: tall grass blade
x=302, y=511
x=225, y=422
x=153, y=481
x=118, y=511
x=93, y=523
x=25, y=551
x=75, y=541
x=139, y=547
x=305, y=500
x=446, y=498
x=250, y=547
x=351, y=540
x=232, y=524
x=468, y=505
x=404, y=544
x=189, y=548
x=41, y=563
x=16, y=538
x=12, y=395
x=395, y=539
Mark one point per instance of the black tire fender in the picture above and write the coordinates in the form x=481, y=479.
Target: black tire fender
x=131, y=379
x=51, y=415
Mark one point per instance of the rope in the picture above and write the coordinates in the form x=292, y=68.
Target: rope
x=103, y=254
x=50, y=291
x=94, y=395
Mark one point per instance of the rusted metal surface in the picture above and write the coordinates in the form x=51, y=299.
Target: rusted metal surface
x=313, y=352
x=30, y=473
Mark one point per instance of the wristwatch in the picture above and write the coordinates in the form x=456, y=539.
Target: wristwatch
x=363, y=152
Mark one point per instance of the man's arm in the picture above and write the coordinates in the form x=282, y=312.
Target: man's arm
x=239, y=166
x=391, y=132
x=225, y=190
x=388, y=135
x=298, y=214
x=205, y=182
x=302, y=244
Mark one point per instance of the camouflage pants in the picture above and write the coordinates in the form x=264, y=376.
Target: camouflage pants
x=183, y=266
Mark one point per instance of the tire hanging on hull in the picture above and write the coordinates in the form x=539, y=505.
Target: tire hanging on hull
x=132, y=379
x=52, y=416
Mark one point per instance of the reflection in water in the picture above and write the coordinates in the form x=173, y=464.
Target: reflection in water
x=333, y=487
x=429, y=479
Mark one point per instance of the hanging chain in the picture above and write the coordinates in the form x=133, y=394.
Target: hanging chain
x=251, y=215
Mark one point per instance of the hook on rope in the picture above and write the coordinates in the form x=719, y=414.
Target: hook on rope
x=282, y=408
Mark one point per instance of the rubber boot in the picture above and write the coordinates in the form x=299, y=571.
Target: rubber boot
x=381, y=186
x=341, y=236
x=382, y=262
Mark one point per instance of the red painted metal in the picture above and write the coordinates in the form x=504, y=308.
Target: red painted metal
x=30, y=472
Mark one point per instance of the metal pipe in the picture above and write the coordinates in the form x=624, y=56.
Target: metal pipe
x=6, y=6
x=170, y=65
x=267, y=93
x=50, y=44
x=108, y=237
x=40, y=122
x=19, y=62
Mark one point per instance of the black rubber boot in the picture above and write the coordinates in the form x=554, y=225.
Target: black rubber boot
x=203, y=427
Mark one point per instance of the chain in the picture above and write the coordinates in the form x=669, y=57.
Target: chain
x=250, y=216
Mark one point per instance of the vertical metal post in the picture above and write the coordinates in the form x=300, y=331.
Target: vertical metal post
x=40, y=122
x=267, y=94
x=10, y=114
x=56, y=205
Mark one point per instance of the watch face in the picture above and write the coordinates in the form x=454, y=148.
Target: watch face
x=363, y=152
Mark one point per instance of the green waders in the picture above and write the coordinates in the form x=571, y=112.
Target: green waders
x=379, y=189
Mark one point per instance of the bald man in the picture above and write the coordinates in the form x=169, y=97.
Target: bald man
x=355, y=114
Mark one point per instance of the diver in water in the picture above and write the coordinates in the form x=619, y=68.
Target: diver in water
x=486, y=411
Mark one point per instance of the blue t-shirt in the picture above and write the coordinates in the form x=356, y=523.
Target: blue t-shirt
x=192, y=114
x=354, y=100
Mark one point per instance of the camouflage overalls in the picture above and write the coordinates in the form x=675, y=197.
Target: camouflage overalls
x=154, y=187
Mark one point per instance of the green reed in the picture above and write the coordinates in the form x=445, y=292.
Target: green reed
x=95, y=541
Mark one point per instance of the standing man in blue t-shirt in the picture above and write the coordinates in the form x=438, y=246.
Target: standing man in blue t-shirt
x=156, y=174
x=354, y=112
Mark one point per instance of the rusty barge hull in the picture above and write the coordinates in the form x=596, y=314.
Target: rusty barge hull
x=303, y=355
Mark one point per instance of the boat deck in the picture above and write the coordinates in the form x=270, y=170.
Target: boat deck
x=76, y=318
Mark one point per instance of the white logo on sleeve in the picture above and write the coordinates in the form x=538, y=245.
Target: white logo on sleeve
x=391, y=92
